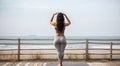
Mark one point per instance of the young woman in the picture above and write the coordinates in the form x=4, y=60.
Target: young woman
x=60, y=40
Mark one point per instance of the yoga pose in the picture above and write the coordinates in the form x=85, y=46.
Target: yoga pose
x=59, y=39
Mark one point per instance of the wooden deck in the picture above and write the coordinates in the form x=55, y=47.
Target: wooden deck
x=37, y=63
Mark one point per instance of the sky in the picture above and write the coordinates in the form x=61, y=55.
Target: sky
x=31, y=17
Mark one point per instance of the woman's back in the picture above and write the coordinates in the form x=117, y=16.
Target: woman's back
x=60, y=24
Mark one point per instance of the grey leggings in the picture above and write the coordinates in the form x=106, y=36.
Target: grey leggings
x=60, y=44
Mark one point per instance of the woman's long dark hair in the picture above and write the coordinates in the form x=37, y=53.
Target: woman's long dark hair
x=60, y=22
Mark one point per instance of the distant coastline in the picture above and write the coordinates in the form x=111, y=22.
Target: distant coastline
x=51, y=37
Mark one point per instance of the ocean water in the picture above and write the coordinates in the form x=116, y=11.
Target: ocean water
x=46, y=42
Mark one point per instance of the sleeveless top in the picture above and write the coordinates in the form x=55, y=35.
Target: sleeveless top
x=57, y=31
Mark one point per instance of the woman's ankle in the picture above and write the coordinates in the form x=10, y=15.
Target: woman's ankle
x=60, y=64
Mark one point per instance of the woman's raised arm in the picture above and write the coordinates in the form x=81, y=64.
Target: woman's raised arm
x=68, y=21
x=51, y=20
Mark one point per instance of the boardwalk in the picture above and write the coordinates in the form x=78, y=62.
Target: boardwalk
x=37, y=63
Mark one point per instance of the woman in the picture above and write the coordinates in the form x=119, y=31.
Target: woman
x=59, y=40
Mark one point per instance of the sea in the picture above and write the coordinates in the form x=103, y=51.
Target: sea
x=46, y=42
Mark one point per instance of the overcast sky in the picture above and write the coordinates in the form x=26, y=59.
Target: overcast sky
x=88, y=17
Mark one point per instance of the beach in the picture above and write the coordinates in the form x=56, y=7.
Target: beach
x=52, y=55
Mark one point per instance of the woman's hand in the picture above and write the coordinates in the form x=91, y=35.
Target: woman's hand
x=68, y=21
x=64, y=14
x=51, y=20
x=55, y=14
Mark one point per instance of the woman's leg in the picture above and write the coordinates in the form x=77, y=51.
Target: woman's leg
x=63, y=45
x=58, y=48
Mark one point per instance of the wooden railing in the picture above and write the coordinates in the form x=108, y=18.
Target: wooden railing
x=86, y=42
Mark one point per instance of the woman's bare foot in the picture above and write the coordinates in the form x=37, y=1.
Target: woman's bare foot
x=60, y=65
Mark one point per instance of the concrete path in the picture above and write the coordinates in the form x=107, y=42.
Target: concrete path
x=37, y=63
x=68, y=64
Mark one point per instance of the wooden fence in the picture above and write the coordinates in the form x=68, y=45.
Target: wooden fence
x=86, y=42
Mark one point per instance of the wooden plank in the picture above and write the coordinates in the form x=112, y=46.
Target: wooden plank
x=111, y=51
x=18, y=49
x=86, y=49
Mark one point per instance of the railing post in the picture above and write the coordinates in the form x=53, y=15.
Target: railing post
x=111, y=51
x=19, y=49
x=86, y=49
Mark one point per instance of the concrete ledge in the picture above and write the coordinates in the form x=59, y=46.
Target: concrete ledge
x=68, y=64
x=46, y=63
